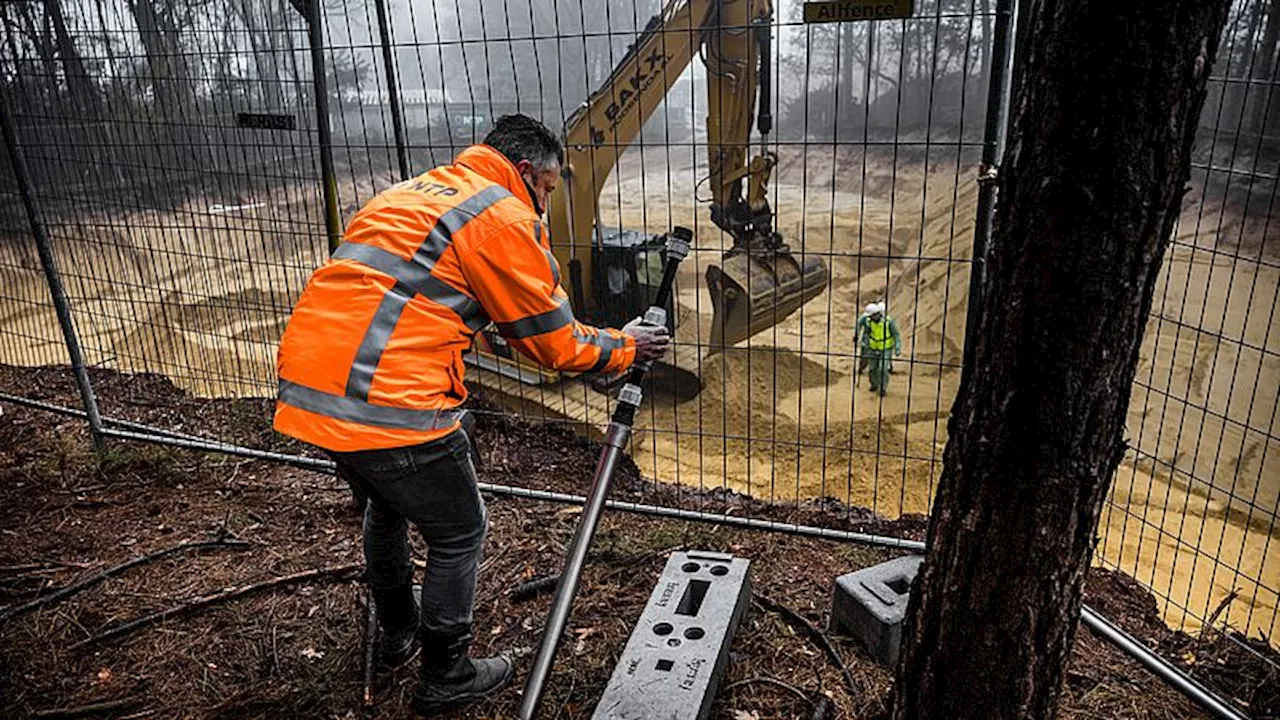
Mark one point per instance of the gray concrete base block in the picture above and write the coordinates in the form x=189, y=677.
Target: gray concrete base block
x=870, y=604
x=678, y=652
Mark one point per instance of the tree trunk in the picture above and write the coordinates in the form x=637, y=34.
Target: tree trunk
x=1237, y=63
x=83, y=92
x=44, y=47
x=170, y=80
x=273, y=30
x=267, y=71
x=845, y=84
x=1264, y=68
x=1105, y=103
x=905, y=57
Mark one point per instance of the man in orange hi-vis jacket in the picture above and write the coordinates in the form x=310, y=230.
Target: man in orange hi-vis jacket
x=370, y=370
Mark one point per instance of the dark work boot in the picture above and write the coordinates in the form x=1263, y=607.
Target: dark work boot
x=398, y=615
x=450, y=678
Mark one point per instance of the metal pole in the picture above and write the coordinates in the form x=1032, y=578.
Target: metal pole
x=393, y=89
x=992, y=149
x=1157, y=665
x=51, y=274
x=315, y=37
x=616, y=438
x=567, y=589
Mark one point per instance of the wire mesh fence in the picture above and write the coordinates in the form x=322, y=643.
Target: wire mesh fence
x=1193, y=513
x=148, y=181
x=177, y=160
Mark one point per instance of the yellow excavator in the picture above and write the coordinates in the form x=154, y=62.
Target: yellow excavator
x=613, y=273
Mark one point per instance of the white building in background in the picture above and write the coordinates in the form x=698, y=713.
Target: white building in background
x=408, y=96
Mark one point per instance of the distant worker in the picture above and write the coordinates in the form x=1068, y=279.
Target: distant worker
x=862, y=339
x=371, y=371
x=880, y=343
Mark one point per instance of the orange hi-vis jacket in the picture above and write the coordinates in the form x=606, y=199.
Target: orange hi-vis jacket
x=372, y=356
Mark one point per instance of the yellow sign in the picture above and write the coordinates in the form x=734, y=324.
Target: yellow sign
x=846, y=10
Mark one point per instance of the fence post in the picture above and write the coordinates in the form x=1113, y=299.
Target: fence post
x=992, y=150
x=393, y=89
x=315, y=38
x=51, y=274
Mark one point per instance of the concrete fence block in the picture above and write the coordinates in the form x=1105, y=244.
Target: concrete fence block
x=870, y=604
x=678, y=652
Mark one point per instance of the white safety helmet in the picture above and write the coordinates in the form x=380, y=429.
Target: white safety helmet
x=872, y=308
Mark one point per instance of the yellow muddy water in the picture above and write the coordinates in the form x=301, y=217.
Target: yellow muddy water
x=783, y=416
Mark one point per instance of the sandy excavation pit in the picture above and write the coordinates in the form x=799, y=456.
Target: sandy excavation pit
x=780, y=417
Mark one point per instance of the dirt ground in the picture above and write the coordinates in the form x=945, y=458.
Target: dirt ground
x=202, y=297
x=296, y=650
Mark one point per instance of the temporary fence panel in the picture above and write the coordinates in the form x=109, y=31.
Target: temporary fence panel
x=177, y=156
x=1193, y=513
x=173, y=155
x=29, y=333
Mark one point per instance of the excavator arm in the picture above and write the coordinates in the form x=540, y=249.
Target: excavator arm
x=610, y=120
x=759, y=281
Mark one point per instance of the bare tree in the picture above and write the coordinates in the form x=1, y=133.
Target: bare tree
x=160, y=24
x=83, y=92
x=1264, y=69
x=38, y=33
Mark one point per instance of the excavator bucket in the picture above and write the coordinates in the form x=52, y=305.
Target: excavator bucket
x=753, y=291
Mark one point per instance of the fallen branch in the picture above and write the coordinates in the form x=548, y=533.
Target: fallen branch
x=547, y=583
x=534, y=588
x=491, y=560
x=221, y=543
x=766, y=680
x=215, y=598
x=573, y=683
x=30, y=574
x=797, y=621
x=82, y=710
x=29, y=567
x=632, y=563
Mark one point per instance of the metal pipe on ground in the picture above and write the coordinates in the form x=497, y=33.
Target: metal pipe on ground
x=214, y=446
x=106, y=421
x=190, y=442
x=1158, y=666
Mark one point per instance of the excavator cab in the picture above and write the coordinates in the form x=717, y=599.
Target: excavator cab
x=752, y=289
x=627, y=268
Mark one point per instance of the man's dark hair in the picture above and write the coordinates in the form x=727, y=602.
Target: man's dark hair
x=520, y=137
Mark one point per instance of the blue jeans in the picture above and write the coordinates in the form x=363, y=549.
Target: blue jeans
x=433, y=486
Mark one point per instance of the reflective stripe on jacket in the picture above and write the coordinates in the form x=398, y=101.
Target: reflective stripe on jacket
x=372, y=355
